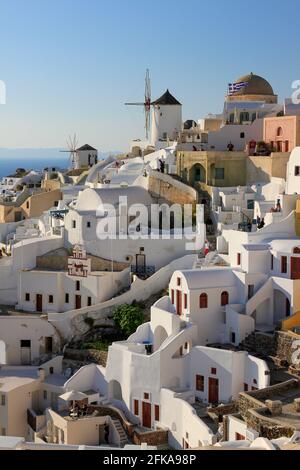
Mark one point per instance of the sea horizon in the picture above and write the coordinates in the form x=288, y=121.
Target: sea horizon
x=35, y=159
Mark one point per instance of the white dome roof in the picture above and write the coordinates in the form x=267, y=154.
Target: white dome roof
x=91, y=199
x=206, y=278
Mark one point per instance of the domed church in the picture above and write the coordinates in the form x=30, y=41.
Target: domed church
x=251, y=88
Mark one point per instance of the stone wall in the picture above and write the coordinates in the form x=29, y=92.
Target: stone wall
x=284, y=344
x=267, y=427
x=252, y=407
x=280, y=345
x=165, y=187
x=58, y=261
x=87, y=355
x=153, y=438
x=218, y=412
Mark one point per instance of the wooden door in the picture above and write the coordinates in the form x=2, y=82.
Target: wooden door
x=179, y=302
x=295, y=268
x=39, y=302
x=25, y=356
x=48, y=344
x=146, y=414
x=213, y=390
x=78, y=302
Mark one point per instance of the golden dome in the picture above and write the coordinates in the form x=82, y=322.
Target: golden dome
x=256, y=85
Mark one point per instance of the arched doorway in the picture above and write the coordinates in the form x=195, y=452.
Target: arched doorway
x=282, y=306
x=198, y=174
x=115, y=390
x=160, y=335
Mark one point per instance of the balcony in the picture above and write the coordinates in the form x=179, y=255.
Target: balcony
x=36, y=420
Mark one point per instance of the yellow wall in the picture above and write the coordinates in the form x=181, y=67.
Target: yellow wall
x=40, y=202
x=51, y=185
x=262, y=169
x=233, y=163
x=291, y=322
x=34, y=206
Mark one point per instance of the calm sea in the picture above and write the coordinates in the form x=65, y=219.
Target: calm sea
x=30, y=159
x=33, y=159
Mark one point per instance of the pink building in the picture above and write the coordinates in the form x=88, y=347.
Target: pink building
x=282, y=133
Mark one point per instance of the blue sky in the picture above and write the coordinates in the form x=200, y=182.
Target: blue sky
x=69, y=65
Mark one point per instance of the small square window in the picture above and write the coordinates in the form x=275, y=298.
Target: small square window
x=50, y=299
x=242, y=135
x=55, y=203
x=146, y=396
x=297, y=170
x=88, y=224
x=213, y=371
x=27, y=297
x=255, y=381
x=89, y=301
x=219, y=173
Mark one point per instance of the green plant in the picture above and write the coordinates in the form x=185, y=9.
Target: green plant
x=128, y=318
x=98, y=345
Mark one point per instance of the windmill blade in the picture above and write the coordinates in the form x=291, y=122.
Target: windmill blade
x=147, y=102
x=134, y=104
x=147, y=87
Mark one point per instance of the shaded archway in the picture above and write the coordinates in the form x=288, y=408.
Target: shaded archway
x=160, y=335
x=115, y=390
x=198, y=173
x=282, y=306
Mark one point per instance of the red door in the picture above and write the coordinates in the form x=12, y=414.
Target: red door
x=78, y=302
x=146, y=414
x=179, y=302
x=295, y=268
x=213, y=390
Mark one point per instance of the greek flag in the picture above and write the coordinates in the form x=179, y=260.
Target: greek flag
x=234, y=87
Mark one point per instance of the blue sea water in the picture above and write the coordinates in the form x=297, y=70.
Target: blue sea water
x=35, y=159
x=30, y=159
